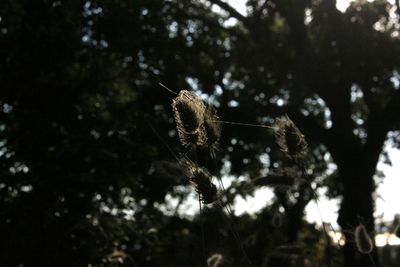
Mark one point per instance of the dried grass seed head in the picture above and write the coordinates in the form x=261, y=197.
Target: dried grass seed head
x=189, y=116
x=216, y=260
x=363, y=240
x=201, y=180
x=290, y=139
x=189, y=110
x=192, y=139
x=209, y=194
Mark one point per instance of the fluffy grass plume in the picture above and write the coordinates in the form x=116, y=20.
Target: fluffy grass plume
x=201, y=180
x=289, y=138
x=189, y=112
x=216, y=260
x=363, y=240
x=197, y=123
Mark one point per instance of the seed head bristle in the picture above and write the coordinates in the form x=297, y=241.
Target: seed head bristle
x=212, y=126
x=216, y=260
x=363, y=240
x=189, y=116
x=290, y=139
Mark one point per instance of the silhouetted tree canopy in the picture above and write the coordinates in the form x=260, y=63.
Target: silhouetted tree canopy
x=88, y=146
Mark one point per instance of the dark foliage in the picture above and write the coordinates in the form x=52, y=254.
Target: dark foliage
x=88, y=146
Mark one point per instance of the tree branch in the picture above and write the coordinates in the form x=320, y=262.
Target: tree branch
x=313, y=131
x=369, y=98
x=309, y=126
x=391, y=114
x=228, y=8
x=212, y=23
x=379, y=124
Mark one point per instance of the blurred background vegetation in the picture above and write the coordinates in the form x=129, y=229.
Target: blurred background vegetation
x=86, y=176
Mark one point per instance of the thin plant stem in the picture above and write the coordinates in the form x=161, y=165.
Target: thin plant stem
x=253, y=125
x=247, y=124
x=372, y=260
x=230, y=212
x=203, y=241
x=316, y=199
x=235, y=233
x=161, y=139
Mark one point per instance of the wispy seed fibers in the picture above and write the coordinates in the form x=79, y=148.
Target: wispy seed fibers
x=363, y=240
x=289, y=138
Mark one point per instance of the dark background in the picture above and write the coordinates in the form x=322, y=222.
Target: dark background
x=85, y=129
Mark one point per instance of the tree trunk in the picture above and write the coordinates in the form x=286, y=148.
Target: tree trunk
x=295, y=213
x=295, y=223
x=357, y=207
